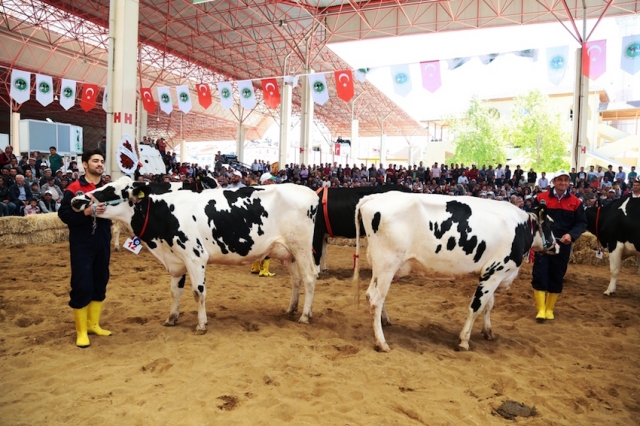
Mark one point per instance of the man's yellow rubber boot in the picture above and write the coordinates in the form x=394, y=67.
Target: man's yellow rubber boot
x=264, y=270
x=93, y=320
x=540, y=304
x=80, y=316
x=255, y=267
x=551, y=303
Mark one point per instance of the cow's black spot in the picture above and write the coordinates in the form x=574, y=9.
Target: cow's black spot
x=201, y=288
x=194, y=218
x=451, y=243
x=196, y=252
x=146, y=161
x=430, y=226
x=231, y=229
x=481, y=248
x=172, y=208
x=181, y=282
x=489, y=272
x=311, y=213
x=375, y=222
x=162, y=225
x=477, y=299
x=460, y=214
x=521, y=244
x=438, y=248
x=198, y=243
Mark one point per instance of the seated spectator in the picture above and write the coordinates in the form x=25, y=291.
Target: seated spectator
x=51, y=186
x=7, y=208
x=35, y=190
x=47, y=203
x=20, y=194
x=32, y=208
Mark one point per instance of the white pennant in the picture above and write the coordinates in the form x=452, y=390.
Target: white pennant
x=361, y=74
x=164, y=96
x=184, y=98
x=247, y=94
x=291, y=80
x=20, y=86
x=44, y=89
x=105, y=99
x=226, y=94
x=557, y=59
x=318, y=87
x=67, y=93
x=401, y=79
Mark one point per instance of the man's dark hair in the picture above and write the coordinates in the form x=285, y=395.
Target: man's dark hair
x=53, y=147
x=86, y=155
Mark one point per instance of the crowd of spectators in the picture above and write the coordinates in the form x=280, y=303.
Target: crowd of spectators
x=32, y=186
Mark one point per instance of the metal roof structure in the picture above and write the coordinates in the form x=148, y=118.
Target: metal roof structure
x=222, y=40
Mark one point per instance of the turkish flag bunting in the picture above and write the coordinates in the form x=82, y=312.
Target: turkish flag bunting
x=271, y=92
x=147, y=100
x=89, y=97
x=594, y=58
x=204, y=95
x=337, y=149
x=344, y=84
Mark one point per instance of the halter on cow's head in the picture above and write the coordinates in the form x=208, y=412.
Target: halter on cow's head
x=112, y=194
x=541, y=224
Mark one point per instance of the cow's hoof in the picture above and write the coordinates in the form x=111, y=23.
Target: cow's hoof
x=304, y=319
x=200, y=331
x=609, y=293
x=462, y=347
x=382, y=347
x=170, y=322
x=489, y=335
x=386, y=323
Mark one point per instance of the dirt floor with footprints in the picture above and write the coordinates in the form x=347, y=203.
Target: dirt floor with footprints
x=256, y=366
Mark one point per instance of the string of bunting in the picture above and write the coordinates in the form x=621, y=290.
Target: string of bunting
x=594, y=65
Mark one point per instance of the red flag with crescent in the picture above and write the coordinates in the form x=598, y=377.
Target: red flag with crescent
x=594, y=59
x=337, y=149
x=89, y=97
x=344, y=84
x=431, y=75
x=271, y=92
x=147, y=100
x=204, y=95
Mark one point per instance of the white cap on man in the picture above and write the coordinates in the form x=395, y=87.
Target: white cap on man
x=237, y=173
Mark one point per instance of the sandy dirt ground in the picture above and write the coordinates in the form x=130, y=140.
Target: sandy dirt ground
x=256, y=366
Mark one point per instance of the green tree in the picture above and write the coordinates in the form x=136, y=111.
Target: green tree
x=478, y=135
x=536, y=129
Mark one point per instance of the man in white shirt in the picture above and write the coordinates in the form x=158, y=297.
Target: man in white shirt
x=543, y=182
x=621, y=175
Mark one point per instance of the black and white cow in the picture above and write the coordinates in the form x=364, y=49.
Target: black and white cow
x=199, y=185
x=337, y=207
x=186, y=230
x=450, y=237
x=618, y=230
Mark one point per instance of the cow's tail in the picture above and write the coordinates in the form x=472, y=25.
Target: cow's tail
x=356, y=257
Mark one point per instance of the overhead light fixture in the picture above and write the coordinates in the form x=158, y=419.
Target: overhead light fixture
x=282, y=23
x=49, y=120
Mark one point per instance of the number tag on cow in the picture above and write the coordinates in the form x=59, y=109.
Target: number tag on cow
x=598, y=254
x=133, y=245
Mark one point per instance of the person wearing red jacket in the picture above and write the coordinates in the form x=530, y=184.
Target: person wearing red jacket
x=89, y=246
x=570, y=221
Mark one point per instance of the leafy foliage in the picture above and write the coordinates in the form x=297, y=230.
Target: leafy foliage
x=537, y=130
x=478, y=136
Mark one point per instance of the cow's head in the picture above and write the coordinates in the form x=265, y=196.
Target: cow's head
x=115, y=195
x=543, y=238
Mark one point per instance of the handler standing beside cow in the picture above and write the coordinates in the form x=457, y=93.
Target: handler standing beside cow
x=89, y=241
x=570, y=221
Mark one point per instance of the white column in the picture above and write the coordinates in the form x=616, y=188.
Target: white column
x=355, y=145
x=122, y=77
x=285, y=123
x=141, y=129
x=183, y=151
x=240, y=142
x=383, y=150
x=306, y=121
x=15, y=134
x=580, y=111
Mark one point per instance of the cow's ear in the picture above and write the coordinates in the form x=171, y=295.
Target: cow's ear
x=138, y=193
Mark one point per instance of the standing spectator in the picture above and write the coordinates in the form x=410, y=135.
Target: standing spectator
x=621, y=175
x=20, y=194
x=632, y=174
x=570, y=221
x=90, y=251
x=55, y=160
x=507, y=174
x=543, y=182
x=47, y=204
x=53, y=187
x=532, y=176
x=161, y=144
x=6, y=156
x=610, y=174
x=499, y=175
x=32, y=208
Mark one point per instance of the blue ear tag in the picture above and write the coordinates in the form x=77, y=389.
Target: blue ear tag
x=133, y=245
x=598, y=253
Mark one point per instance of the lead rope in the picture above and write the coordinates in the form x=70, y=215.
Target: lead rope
x=597, y=229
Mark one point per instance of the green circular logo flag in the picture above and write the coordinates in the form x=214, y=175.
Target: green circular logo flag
x=401, y=78
x=184, y=97
x=246, y=93
x=20, y=84
x=67, y=92
x=557, y=62
x=318, y=86
x=633, y=51
x=44, y=87
x=164, y=98
x=226, y=93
